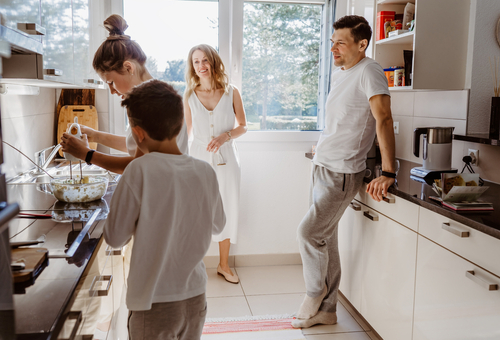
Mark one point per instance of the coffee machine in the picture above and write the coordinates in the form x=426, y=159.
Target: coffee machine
x=436, y=152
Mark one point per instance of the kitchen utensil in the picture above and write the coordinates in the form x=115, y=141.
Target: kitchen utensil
x=24, y=243
x=33, y=259
x=74, y=130
x=87, y=115
x=36, y=216
x=72, y=191
x=437, y=143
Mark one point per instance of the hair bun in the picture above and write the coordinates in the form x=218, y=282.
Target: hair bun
x=115, y=25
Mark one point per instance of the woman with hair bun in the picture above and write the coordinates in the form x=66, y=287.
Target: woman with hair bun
x=120, y=62
x=214, y=114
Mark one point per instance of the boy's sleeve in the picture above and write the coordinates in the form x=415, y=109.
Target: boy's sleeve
x=123, y=215
x=219, y=217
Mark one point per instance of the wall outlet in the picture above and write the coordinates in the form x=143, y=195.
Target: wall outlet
x=396, y=128
x=474, y=154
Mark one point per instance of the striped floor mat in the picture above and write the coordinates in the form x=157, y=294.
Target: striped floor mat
x=272, y=327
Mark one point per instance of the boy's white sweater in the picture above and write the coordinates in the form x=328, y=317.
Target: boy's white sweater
x=171, y=205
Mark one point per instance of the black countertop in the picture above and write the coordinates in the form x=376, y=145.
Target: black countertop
x=40, y=306
x=418, y=193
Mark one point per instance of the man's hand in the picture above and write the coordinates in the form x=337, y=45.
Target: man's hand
x=75, y=146
x=379, y=186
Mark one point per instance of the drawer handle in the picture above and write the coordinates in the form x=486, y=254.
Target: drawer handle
x=389, y=200
x=354, y=206
x=485, y=284
x=100, y=292
x=370, y=216
x=111, y=251
x=53, y=72
x=73, y=316
x=454, y=230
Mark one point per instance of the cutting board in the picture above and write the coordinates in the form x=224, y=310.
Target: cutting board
x=33, y=259
x=87, y=115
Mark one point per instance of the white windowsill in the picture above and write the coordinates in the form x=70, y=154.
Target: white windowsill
x=279, y=136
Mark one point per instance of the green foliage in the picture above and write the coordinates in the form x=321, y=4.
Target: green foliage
x=290, y=123
x=280, y=63
x=175, y=70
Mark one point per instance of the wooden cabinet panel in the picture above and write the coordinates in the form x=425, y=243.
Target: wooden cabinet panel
x=448, y=304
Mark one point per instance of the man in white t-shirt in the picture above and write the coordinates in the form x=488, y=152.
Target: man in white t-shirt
x=357, y=107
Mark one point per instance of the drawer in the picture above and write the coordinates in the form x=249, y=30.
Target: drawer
x=467, y=242
x=396, y=208
x=454, y=299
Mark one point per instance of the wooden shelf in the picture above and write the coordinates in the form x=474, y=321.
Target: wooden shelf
x=393, y=2
x=405, y=38
x=482, y=139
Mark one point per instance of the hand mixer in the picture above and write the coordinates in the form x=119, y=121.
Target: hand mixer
x=75, y=131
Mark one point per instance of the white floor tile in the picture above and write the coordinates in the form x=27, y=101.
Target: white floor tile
x=271, y=279
x=223, y=307
x=275, y=304
x=345, y=323
x=217, y=286
x=339, y=336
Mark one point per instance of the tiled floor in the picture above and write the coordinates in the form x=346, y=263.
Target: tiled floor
x=271, y=290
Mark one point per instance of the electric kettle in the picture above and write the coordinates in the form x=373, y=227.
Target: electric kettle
x=437, y=142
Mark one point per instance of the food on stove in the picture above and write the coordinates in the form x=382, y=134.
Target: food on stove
x=75, y=190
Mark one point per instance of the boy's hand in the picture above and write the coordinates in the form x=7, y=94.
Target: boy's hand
x=217, y=142
x=91, y=133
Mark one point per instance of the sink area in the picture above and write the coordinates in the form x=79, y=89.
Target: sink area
x=62, y=170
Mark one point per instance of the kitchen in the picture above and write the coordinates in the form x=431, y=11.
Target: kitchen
x=275, y=201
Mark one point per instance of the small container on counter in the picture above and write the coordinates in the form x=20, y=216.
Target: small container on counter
x=399, y=77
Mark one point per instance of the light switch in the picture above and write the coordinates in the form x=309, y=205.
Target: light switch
x=396, y=128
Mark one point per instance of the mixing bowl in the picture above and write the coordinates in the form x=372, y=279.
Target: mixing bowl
x=77, y=191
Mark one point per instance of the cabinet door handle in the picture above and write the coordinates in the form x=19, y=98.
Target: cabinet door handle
x=483, y=283
x=53, y=72
x=100, y=292
x=73, y=316
x=111, y=251
x=370, y=216
x=454, y=230
x=31, y=28
x=355, y=206
x=389, y=199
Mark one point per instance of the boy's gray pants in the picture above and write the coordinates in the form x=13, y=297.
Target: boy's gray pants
x=331, y=193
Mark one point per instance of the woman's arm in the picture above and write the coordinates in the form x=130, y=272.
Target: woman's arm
x=239, y=130
x=107, y=139
x=188, y=118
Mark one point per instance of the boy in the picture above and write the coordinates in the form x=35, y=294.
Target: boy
x=170, y=204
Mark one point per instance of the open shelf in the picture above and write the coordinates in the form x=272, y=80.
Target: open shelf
x=393, y=2
x=482, y=139
x=405, y=38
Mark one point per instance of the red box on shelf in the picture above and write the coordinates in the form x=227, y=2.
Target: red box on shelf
x=382, y=17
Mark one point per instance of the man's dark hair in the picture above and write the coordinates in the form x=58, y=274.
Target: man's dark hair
x=157, y=108
x=360, y=28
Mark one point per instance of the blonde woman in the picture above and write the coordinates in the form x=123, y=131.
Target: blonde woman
x=214, y=115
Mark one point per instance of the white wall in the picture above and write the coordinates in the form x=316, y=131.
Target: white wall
x=274, y=191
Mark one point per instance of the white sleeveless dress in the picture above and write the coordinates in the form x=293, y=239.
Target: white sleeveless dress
x=206, y=125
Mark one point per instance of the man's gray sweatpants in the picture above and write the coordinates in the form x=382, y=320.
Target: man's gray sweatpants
x=331, y=193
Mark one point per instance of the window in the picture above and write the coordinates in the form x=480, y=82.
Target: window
x=281, y=48
x=276, y=53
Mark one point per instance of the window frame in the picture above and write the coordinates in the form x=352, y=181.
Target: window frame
x=231, y=52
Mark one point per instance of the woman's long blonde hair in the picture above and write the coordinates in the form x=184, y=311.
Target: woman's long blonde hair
x=219, y=77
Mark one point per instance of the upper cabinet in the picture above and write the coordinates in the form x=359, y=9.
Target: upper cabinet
x=438, y=42
x=67, y=41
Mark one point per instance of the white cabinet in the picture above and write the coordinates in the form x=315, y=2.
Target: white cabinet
x=15, y=12
x=450, y=302
x=350, y=237
x=439, y=43
x=389, y=255
x=378, y=257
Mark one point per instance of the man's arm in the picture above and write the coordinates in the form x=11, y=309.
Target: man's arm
x=381, y=109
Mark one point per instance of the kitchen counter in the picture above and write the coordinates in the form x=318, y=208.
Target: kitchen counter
x=40, y=307
x=418, y=193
